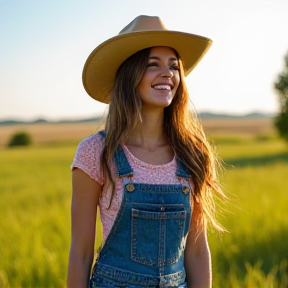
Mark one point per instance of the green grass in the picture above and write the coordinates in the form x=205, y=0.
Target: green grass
x=34, y=208
x=254, y=253
x=35, y=192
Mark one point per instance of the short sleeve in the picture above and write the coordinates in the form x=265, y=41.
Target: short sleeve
x=87, y=157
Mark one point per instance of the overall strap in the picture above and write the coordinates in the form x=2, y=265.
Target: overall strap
x=122, y=164
x=120, y=160
x=182, y=170
x=102, y=133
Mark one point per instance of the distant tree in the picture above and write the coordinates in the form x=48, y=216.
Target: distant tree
x=20, y=139
x=281, y=85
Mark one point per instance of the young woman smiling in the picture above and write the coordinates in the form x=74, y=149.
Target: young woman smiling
x=151, y=171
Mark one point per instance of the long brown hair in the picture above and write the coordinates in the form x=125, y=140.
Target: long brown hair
x=181, y=125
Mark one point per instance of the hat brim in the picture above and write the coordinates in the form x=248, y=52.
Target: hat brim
x=101, y=66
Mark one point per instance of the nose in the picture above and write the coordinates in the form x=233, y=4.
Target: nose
x=166, y=72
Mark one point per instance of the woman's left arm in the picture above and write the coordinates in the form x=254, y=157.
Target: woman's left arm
x=197, y=257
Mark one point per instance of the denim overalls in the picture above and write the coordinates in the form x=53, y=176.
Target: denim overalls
x=145, y=247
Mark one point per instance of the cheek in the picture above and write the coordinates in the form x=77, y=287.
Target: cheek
x=140, y=88
x=144, y=85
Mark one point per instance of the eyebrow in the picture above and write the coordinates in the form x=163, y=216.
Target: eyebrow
x=158, y=58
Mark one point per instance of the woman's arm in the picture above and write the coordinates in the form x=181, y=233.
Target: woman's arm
x=85, y=198
x=197, y=255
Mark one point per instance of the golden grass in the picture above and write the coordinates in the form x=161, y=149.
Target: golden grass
x=49, y=133
x=239, y=126
x=46, y=133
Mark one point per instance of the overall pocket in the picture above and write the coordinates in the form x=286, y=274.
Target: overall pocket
x=157, y=238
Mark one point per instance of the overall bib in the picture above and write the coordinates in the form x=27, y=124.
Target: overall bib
x=145, y=247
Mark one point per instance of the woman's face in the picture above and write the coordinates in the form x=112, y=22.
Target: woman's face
x=161, y=78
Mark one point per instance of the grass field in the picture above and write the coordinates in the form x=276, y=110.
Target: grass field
x=254, y=253
x=35, y=193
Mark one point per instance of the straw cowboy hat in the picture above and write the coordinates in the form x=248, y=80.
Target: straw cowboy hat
x=143, y=32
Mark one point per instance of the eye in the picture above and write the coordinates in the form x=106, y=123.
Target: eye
x=152, y=64
x=175, y=67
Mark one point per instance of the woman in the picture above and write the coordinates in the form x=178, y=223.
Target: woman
x=151, y=171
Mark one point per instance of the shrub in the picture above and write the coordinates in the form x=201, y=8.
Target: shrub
x=20, y=139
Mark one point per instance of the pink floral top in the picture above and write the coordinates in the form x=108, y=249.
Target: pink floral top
x=87, y=158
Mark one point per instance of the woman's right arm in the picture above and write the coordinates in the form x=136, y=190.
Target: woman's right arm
x=85, y=198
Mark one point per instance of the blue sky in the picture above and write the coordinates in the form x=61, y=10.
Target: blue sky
x=44, y=44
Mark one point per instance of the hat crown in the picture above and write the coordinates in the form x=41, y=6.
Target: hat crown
x=143, y=23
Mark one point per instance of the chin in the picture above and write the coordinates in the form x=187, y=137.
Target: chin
x=157, y=105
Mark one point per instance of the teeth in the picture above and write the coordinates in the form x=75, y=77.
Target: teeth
x=162, y=87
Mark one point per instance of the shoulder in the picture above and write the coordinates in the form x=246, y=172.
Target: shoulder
x=90, y=148
x=88, y=155
x=92, y=142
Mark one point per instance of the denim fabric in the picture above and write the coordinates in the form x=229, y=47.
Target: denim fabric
x=145, y=247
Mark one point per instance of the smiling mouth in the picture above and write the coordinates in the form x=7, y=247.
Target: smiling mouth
x=162, y=87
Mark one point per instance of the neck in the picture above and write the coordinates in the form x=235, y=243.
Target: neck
x=149, y=133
